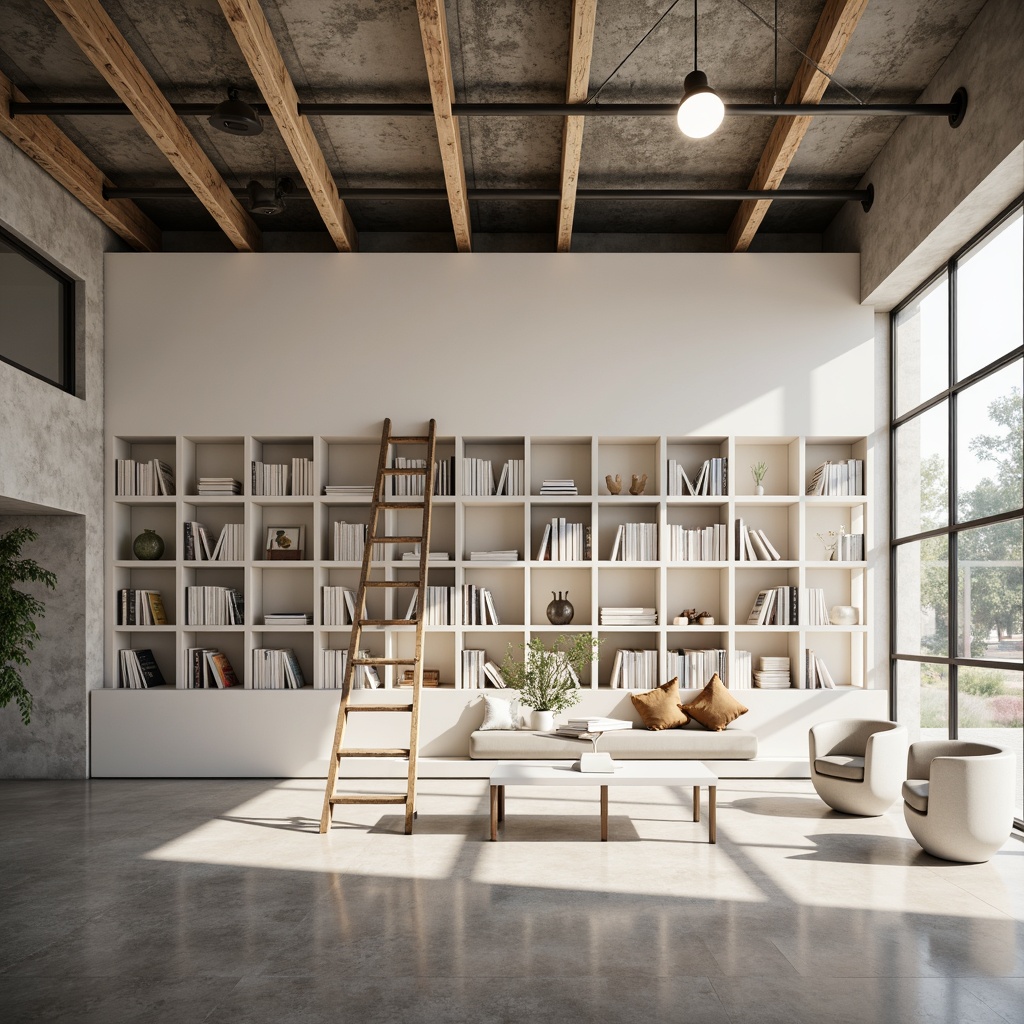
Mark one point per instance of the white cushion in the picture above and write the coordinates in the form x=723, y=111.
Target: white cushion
x=915, y=793
x=500, y=713
x=840, y=766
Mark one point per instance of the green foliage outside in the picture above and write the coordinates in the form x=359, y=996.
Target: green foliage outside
x=548, y=679
x=18, y=612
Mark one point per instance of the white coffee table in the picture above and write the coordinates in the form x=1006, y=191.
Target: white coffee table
x=629, y=773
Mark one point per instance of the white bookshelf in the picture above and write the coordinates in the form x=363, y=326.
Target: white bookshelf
x=521, y=588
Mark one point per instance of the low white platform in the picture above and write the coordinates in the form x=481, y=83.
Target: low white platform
x=167, y=733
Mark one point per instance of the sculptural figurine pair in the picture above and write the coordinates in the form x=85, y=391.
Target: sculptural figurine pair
x=636, y=487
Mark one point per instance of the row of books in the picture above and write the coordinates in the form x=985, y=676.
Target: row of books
x=508, y=555
x=478, y=671
x=197, y=545
x=564, y=542
x=279, y=478
x=349, y=490
x=628, y=616
x=349, y=541
x=513, y=478
x=841, y=479
x=789, y=606
x=850, y=547
x=444, y=476
x=753, y=545
x=711, y=479
x=772, y=673
x=139, y=670
x=439, y=606
x=635, y=542
x=136, y=478
x=554, y=487
x=634, y=670
x=411, y=486
x=816, y=673
x=693, y=668
x=477, y=477
x=218, y=486
x=704, y=544
x=276, y=668
x=332, y=672
x=214, y=606
x=478, y=606
x=207, y=668
x=140, y=608
x=339, y=606
x=282, y=619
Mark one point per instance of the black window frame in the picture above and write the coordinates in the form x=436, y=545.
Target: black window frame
x=67, y=317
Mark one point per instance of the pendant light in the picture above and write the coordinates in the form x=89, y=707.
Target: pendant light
x=235, y=116
x=700, y=110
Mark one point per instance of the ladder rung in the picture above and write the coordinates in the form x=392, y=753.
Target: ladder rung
x=383, y=661
x=408, y=440
x=392, y=583
x=378, y=707
x=374, y=752
x=371, y=798
x=387, y=622
x=392, y=471
x=418, y=539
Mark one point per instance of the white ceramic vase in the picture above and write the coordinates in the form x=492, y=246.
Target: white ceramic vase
x=844, y=615
x=542, y=721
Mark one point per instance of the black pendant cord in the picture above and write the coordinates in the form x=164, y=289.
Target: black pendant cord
x=694, y=35
x=775, y=80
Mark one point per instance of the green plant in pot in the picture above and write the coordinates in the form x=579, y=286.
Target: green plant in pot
x=547, y=678
x=18, y=612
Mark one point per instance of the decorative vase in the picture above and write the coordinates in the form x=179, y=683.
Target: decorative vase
x=542, y=721
x=759, y=491
x=560, y=610
x=149, y=545
x=843, y=615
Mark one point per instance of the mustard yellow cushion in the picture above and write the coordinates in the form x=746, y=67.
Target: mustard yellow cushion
x=660, y=708
x=714, y=707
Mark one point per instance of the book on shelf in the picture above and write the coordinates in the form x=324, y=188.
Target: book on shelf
x=816, y=673
x=287, y=619
x=271, y=479
x=140, y=608
x=218, y=486
x=338, y=606
x=703, y=544
x=478, y=606
x=635, y=542
x=473, y=676
x=477, y=477
x=510, y=555
x=276, y=668
x=635, y=616
x=512, y=481
x=139, y=670
x=144, y=479
x=494, y=676
x=562, y=541
x=208, y=668
x=350, y=490
x=598, y=723
x=695, y=667
x=545, y=540
x=844, y=478
x=214, y=606
x=634, y=670
x=850, y=547
x=230, y=546
x=763, y=604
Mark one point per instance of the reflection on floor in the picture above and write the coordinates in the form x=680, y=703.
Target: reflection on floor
x=217, y=901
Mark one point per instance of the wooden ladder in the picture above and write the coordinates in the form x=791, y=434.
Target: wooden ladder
x=385, y=474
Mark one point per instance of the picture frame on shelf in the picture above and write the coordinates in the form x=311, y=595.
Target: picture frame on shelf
x=285, y=543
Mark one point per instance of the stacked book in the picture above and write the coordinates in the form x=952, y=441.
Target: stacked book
x=332, y=672
x=439, y=607
x=302, y=476
x=196, y=543
x=478, y=607
x=558, y=487
x=591, y=728
x=694, y=668
x=270, y=479
x=218, y=485
x=432, y=556
x=214, y=606
x=705, y=544
x=564, y=542
x=477, y=477
x=773, y=674
x=712, y=479
x=143, y=479
x=140, y=608
x=408, y=486
x=635, y=542
x=816, y=673
x=634, y=670
x=850, y=547
x=339, y=606
x=753, y=545
x=494, y=556
x=276, y=669
x=350, y=490
x=139, y=670
x=628, y=616
x=230, y=546
x=789, y=606
x=207, y=668
x=838, y=478
x=287, y=619
x=513, y=478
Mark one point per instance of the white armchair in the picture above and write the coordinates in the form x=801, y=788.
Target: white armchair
x=857, y=764
x=958, y=798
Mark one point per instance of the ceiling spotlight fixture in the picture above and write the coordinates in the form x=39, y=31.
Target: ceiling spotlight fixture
x=700, y=110
x=235, y=116
x=269, y=201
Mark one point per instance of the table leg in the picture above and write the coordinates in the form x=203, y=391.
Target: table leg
x=712, y=821
x=501, y=804
x=604, y=814
x=696, y=803
x=494, y=814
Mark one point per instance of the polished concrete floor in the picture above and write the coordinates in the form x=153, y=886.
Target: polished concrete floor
x=216, y=901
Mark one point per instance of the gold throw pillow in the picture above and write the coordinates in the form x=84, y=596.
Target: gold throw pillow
x=660, y=708
x=714, y=707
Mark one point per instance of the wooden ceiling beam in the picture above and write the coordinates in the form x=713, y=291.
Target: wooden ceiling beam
x=434, y=30
x=256, y=40
x=49, y=147
x=581, y=50
x=101, y=41
x=831, y=36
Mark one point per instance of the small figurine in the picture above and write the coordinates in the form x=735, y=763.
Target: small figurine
x=638, y=484
x=614, y=483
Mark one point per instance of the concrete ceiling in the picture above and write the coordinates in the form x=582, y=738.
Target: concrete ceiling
x=501, y=50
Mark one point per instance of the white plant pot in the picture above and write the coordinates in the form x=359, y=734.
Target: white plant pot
x=542, y=721
x=759, y=490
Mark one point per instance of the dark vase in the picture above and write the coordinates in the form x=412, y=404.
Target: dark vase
x=148, y=546
x=560, y=610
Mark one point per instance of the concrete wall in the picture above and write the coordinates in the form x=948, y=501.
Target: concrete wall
x=51, y=457
x=936, y=186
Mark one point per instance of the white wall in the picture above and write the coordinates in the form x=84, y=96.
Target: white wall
x=225, y=343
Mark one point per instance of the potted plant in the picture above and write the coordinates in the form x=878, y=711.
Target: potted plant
x=548, y=678
x=759, y=471
x=18, y=611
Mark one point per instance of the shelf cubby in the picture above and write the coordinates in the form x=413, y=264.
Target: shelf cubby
x=232, y=644
x=506, y=587
x=211, y=457
x=560, y=459
x=626, y=458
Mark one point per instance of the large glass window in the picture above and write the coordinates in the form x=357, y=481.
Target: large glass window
x=958, y=491
x=37, y=330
